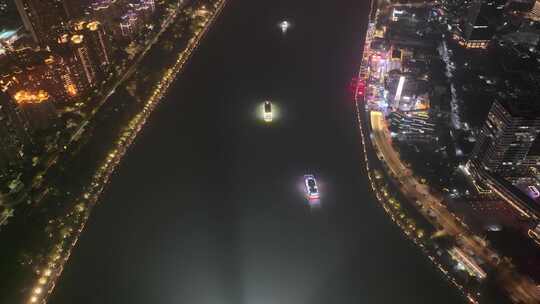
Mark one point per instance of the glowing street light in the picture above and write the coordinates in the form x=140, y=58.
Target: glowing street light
x=47, y=272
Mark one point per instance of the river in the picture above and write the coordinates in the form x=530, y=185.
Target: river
x=208, y=206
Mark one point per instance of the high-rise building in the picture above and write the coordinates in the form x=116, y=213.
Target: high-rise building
x=504, y=143
x=101, y=42
x=97, y=41
x=44, y=19
x=37, y=108
x=106, y=12
x=86, y=49
x=129, y=23
x=82, y=54
x=13, y=133
x=121, y=18
x=37, y=70
x=478, y=26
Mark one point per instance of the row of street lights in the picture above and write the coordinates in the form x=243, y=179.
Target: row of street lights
x=50, y=274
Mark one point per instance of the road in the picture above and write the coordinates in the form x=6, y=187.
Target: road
x=413, y=189
x=521, y=288
x=208, y=205
x=383, y=142
x=54, y=265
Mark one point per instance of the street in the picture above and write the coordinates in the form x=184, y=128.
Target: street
x=518, y=286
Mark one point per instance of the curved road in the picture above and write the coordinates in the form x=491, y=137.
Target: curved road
x=208, y=205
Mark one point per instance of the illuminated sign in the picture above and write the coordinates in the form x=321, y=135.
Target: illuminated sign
x=399, y=90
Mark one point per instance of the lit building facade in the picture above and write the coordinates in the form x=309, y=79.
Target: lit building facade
x=505, y=141
x=478, y=27
x=80, y=48
x=99, y=42
x=44, y=19
x=138, y=14
x=106, y=12
x=129, y=23
x=413, y=127
x=85, y=55
x=122, y=18
x=34, y=71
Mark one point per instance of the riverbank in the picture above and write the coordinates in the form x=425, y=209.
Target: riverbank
x=42, y=242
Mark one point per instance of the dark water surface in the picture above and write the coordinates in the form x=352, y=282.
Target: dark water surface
x=208, y=207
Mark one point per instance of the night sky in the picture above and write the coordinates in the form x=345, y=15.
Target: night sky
x=208, y=208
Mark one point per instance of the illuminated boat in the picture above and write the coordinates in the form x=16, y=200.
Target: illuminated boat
x=311, y=187
x=268, y=116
